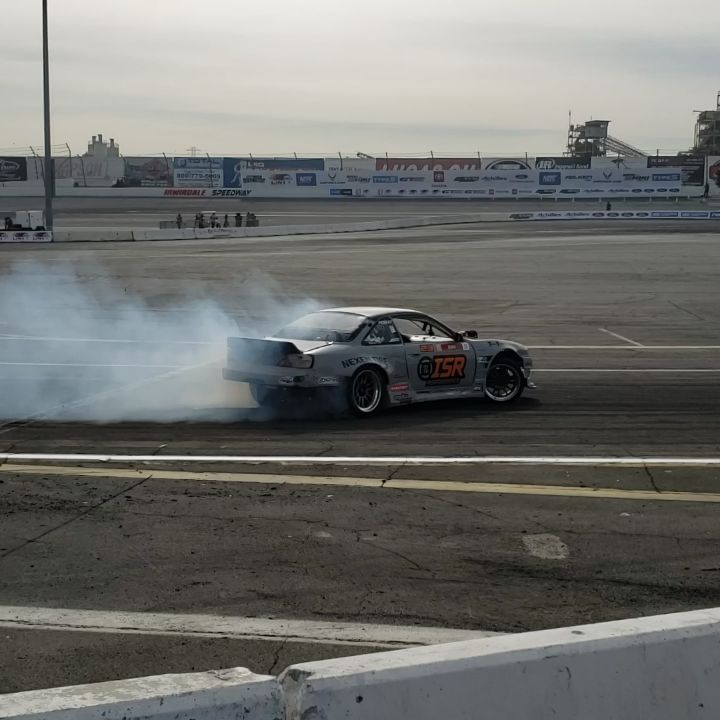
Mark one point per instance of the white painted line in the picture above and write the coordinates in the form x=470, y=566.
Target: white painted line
x=546, y=547
x=676, y=371
x=39, y=338
x=91, y=365
x=11, y=425
x=239, y=628
x=634, y=348
x=621, y=337
x=596, y=461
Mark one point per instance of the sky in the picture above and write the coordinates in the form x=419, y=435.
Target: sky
x=378, y=76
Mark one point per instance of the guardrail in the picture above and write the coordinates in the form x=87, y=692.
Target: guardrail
x=663, y=667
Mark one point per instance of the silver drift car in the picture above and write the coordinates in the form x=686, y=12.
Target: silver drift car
x=375, y=357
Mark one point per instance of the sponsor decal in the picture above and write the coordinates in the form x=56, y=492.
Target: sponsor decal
x=427, y=348
x=289, y=164
x=400, y=387
x=467, y=178
x=664, y=214
x=507, y=165
x=385, y=178
x=520, y=216
x=666, y=177
x=694, y=214
x=306, y=179
x=635, y=177
x=442, y=368
x=570, y=163
x=628, y=214
x=360, y=359
x=570, y=191
x=642, y=214
x=198, y=163
x=184, y=192
x=439, y=176
x=342, y=191
x=229, y=192
x=715, y=214
x=13, y=169
x=545, y=192
x=550, y=178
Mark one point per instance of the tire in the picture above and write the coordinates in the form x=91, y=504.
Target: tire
x=367, y=392
x=267, y=397
x=504, y=382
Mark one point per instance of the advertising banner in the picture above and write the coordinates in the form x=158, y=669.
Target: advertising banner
x=282, y=164
x=79, y=168
x=692, y=167
x=13, y=169
x=198, y=172
x=426, y=164
x=147, y=171
x=25, y=236
x=713, y=178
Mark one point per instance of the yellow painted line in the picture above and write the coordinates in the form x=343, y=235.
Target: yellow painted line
x=330, y=481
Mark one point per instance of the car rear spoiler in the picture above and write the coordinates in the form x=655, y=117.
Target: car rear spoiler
x=260, y=352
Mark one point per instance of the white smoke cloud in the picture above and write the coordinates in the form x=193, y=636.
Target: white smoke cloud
x=75, y=345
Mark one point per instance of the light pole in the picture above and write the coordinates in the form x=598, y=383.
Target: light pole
x=49, y=174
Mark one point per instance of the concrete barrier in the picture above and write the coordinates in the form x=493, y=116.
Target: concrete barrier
x=664, y=668
x=84, y=235
x=216, y=695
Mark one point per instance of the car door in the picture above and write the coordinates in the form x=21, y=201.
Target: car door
x=437, y=363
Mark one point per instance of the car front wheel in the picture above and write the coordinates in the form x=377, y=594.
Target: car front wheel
x=505, y=381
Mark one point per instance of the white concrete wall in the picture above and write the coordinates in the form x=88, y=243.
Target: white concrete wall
x=656, y=668
x=217, y=695
x=661, y=668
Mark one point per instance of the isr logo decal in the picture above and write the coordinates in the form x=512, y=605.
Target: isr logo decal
x=442, y=367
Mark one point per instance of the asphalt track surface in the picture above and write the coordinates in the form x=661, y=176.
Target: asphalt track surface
x=148, y=212
x=625, y=329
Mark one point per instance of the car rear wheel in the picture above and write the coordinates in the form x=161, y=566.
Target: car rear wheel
x=265, y=396
x=505, y=381
x=366, y=392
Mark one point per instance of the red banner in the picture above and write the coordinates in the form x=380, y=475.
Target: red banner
x=426, y=164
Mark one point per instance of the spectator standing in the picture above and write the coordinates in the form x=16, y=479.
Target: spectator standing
x=226, y=221
x=179, y=221
x=238, y=219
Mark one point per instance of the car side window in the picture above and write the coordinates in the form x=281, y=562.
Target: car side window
x=383, y=332
x=409, y=327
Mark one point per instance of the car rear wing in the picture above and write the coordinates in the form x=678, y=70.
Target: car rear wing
x=254, y=351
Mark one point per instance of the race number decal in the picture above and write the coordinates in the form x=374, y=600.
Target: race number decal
x=442, y=368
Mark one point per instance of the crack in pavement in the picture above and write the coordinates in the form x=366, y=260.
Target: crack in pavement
x=276, y=656
x=71, y=520
x=392, y=473
x=652, y=479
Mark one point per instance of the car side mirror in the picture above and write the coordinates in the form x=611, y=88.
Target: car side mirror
x=469, y=333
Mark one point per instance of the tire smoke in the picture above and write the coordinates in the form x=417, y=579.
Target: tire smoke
x=77, y=346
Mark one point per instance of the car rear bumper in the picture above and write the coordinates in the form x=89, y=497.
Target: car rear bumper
x=298, y=379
